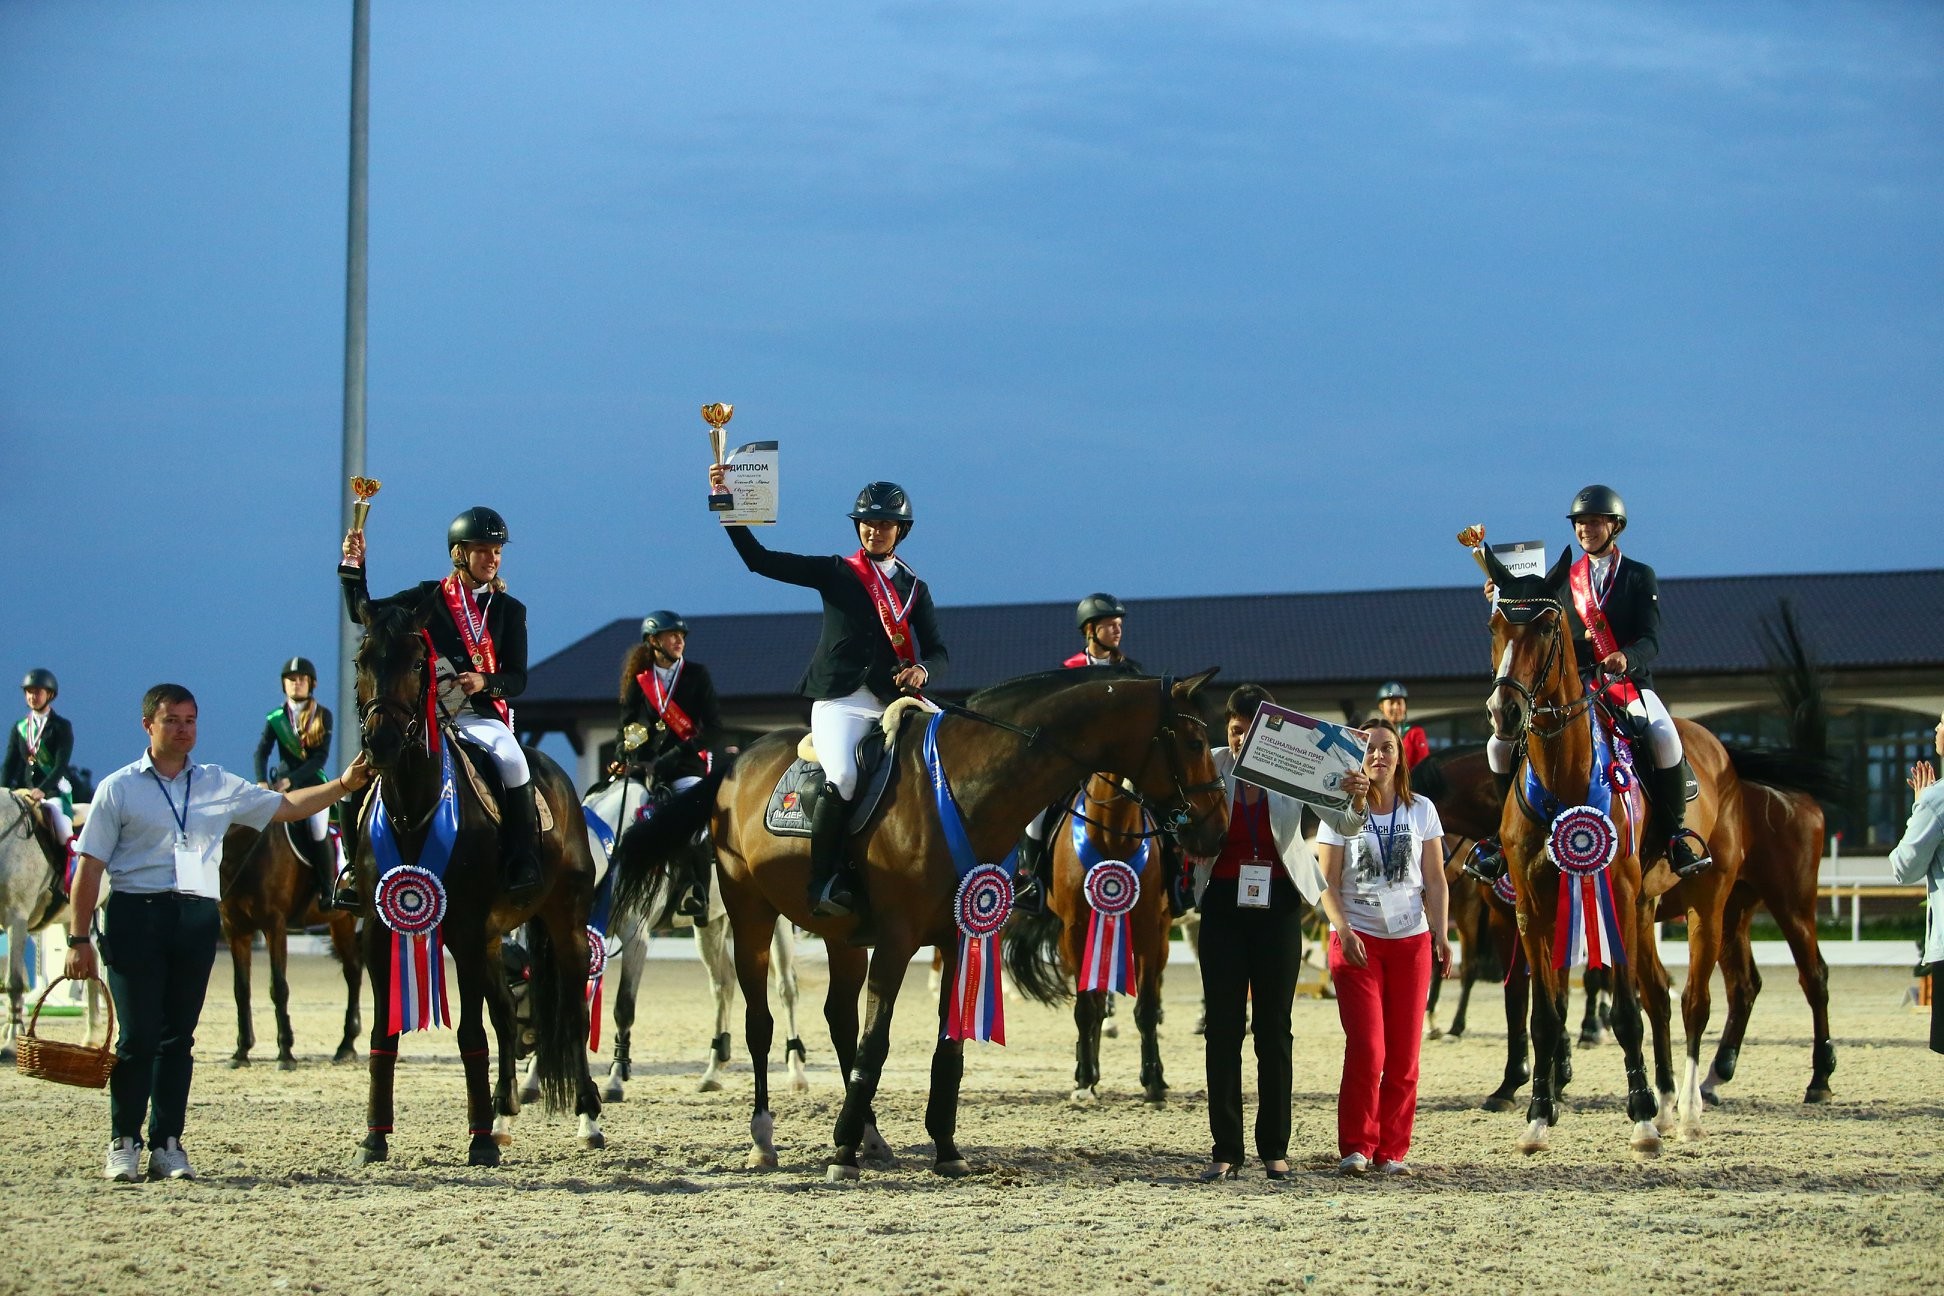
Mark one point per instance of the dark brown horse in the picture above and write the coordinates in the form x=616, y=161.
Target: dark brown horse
x=1009, y=753
x=1539, y=702
x=394, y=684
x=269, y=888
x=1117, y=829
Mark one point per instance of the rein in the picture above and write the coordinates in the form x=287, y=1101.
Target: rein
x=1549, y=720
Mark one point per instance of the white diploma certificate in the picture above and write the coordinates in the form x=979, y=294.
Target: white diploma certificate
x=1522, y=557
x=1300, y=756
x=750, y=475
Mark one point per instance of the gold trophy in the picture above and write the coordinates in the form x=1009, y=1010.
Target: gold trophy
x=633, y=735
x=1473, y=538
x=364, y=488
x=717, y=416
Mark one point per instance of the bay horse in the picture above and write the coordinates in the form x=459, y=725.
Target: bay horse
x=1044, y=951
x=268, y=887
x=395, y=692
x=1008, y=753
x=1538, y=702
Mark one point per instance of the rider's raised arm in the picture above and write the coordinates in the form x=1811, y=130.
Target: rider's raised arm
x=791, y=569
x=932, y=654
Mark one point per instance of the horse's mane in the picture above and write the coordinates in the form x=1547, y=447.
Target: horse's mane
x=389, y=622
x=1015, y=695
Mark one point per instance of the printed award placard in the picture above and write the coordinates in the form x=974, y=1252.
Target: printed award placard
x=1522, y=557
x=751, y=471
x=1301, y=756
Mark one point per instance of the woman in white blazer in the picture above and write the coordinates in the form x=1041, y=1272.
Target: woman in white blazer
x=1252, y=898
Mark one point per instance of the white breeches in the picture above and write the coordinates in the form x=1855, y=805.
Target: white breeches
x=498, y=741
x=686, y=782
x=320, y=824
x=1036, y=827
x=57, y=819
x=837, y=725
x=1662, y=736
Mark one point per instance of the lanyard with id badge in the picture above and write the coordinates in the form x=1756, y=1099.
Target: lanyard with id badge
x=193, y=875
x=1394, y=905
x=1255, y=877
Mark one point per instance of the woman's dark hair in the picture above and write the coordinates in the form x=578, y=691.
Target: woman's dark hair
x=1242, y=703
x=640, y=658
x=1401, y=776
x=163, y=695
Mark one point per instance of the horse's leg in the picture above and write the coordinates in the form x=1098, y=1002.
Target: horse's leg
x=1468, y=977
x=634, y=958
x=1651, y=980
x=1431, y=1028
x=752, y=922
x=1642, y=1103
x=344, y=939
x=1799, y=927
x=381, y=1060
x=276, y=942
x=783, y=972
x=947, y=1072
x=1743, y=983
x=711, y=946
x=239, y=945
x=564, y=919
x=16, y=985
x=1088, y=1013
x=1704, y=951
x=1548, y=1045
x=1147, y=1017
x=1518, y=1000
x=482, y=1149
x=1592, y=1031
x=887, y=968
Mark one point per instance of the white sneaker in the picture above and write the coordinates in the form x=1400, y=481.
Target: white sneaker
x=1393, y=1168
x=124, y=1161
x=1354, y=1164
x=169, y=1162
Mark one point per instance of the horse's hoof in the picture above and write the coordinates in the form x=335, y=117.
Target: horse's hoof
x=614, y=1093
x=1433, y=1032
x=286, y=1064
x=1646, y=1139
x=1498, y=1104
x=1156, y=1099
x=873, y=1147
x=709, y=1084
x=590, y=1136
x=484, y=1150
x=1535, y=1139
x=1817, y=1094
x=1082, y=1098
x=760, y=1159
x=374, y=1149
x=503, y=1131
x=957, y=1168
x=1110, y=1030
x=344, y=1056
x=238, y=1062
x=1690, y=1131
x=837, y=1172
x=1710, y=1098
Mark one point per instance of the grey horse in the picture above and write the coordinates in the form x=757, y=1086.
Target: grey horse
x=29, y=902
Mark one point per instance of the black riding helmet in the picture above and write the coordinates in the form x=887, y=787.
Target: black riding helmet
x=1096, y=607
x=1393, y=690
x=298, y=666
x=477, y=525
x=658, y=622
x=1602, y=501
x=41, y=677
x=883, y=501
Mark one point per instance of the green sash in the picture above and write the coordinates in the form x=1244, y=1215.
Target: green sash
x=286, y=736
x=41, y=762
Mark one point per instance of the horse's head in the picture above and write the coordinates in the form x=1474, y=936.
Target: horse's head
x=1531, y=643
x=394, y=674
x=1182, y=786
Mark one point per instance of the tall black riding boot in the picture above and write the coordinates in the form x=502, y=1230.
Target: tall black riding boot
x=317, y=854
x=1176, y=877
x=1029, y=892
x=693, y=903
x=344, y=893
x=520, y=841
x=1668, y=814
x=830, y=892
x=1486, y=862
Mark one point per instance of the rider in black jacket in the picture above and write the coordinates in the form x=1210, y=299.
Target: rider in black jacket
x=880, y=638
x=669, y=697
x=300, y=730
x=39, y=748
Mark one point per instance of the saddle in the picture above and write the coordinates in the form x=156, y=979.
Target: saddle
x=35, y=819
x=1628, y=733
x=485, y=779
x=797, y=791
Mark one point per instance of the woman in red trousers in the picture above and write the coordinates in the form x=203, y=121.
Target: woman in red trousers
x=1384, y=893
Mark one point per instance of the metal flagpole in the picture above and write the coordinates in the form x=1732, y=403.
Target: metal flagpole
x=354, y=347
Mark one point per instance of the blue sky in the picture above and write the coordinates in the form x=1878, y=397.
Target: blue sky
x=1157, y=298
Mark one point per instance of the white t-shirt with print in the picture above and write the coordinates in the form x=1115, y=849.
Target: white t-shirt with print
x=1381, y=900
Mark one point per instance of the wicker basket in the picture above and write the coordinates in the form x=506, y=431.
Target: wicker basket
x=70, y=1064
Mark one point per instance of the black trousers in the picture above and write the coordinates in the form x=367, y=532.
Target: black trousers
x=159, y=950
x=1250, y=958
x=1937, y=1008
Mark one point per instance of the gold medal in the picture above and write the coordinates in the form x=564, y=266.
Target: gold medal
x=479, y=660
x=897, y=640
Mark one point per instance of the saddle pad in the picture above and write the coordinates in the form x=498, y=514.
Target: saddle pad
x=485, y=780
x=788, y=811
x=1627, y=732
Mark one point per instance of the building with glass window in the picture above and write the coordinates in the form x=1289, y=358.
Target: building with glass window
x=1877, y=638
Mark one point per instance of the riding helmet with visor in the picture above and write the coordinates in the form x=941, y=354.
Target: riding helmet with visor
x=1600, y=501
x=660, y=622
x=883, y=501
x=477, y=525
x=298, y=666
x=1096, y=607
x=42, y=678
x=1393, y=690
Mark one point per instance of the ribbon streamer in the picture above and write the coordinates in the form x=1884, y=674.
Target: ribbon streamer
x=1112, y=889
x=411, y=902
x=977, y=1009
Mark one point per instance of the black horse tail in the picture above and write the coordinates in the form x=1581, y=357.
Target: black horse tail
x=1805, y=765
x=1032, y=949
x=558, y=1003
x=648, y=847
x=1792, y=771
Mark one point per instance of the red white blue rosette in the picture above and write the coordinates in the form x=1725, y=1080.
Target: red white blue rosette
x=1113, y=889
x=1582, y=841
x=1503, y=888
x=411, y=900
x=984, y=901
x=597, y=954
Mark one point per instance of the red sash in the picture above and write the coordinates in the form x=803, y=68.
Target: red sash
x=663, y=700
x=1078, y=659
x=884, y=597
x=478, y=640
x=1599, y=631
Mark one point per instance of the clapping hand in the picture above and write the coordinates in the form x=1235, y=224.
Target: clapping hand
x=1922, y=775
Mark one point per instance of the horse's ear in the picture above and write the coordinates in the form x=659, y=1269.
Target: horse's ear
x=1185, y=690
x=1562, y=568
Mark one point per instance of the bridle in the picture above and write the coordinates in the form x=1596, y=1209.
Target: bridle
x=1551, y=719
x=410, y=719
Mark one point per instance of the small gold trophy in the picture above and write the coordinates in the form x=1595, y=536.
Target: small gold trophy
x=364, y=488
x=1473, y=538
x=633, y=735
x=717, y=416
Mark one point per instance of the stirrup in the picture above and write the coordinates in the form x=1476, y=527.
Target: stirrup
x=1697, y=862
x=1485, y=862
x=344, y=895
x=692, y=904
x=1028, y=896
x=832, y=900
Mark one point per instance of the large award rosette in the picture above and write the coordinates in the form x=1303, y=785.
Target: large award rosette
x=411, y=902
x=1112, y=888
x=977, y=1009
